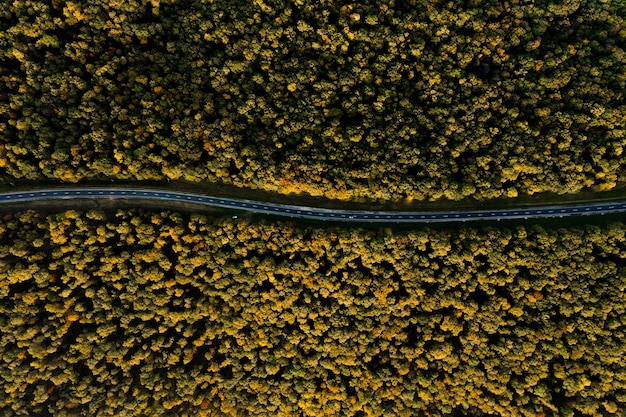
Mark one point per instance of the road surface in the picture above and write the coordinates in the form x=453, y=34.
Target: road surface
x=302, y=212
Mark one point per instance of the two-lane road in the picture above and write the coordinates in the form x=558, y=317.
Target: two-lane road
x=313, y=212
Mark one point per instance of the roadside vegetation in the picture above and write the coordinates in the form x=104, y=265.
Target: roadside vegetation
x=137, y=312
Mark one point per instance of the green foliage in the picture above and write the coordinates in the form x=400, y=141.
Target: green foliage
x=135, y=313
x=369, y=100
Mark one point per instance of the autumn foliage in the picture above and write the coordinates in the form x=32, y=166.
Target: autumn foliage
x=376, y=100
x=156, y=313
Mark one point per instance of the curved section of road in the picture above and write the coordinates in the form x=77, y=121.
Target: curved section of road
x=357, y=216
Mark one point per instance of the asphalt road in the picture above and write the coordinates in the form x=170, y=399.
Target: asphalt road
x=313, y=212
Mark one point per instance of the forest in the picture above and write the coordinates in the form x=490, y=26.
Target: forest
x=137, y=312
x=152, y=312
x=375, y=100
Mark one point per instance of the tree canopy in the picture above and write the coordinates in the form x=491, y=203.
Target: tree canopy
x=157, y=313
x=370, y=100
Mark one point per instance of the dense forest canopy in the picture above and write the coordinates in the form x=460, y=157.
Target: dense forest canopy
x=371, y=100
x=157, y=313
x=137, y=312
